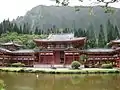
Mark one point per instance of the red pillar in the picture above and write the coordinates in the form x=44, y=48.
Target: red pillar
x=64, y=59
x=28, y=62
x=119, y=62
x=53, y=62
x=39, y=57
x=45, y=58
x=73, y=56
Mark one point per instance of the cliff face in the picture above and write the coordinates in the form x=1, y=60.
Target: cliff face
x=45, y=17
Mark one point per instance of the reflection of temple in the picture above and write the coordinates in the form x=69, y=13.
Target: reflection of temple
x=60, y=49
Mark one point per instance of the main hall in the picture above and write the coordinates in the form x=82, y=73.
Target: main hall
x=59, y=49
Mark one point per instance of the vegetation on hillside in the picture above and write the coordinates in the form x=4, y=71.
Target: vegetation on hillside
x=23, y=39
x=102, y=38
x=22, y=35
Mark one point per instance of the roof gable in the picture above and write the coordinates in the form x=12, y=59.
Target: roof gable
x=59, y=37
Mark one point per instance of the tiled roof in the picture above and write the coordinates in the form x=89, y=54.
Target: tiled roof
x=24, y=51
x=99, y=50
x=4, y=50
x=60, y=37
x=114, y=41
x=117, y=41
x=10, y=43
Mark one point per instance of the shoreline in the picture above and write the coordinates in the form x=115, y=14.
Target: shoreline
x=59, y=70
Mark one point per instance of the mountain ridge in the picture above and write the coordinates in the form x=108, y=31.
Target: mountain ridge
x=45, y=17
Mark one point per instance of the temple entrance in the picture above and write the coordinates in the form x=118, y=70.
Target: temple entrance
x=59, y=57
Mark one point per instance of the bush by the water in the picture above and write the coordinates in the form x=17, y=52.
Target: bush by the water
x=106, y=66
x=2, y=85
x=19, y=64
x=75, y=65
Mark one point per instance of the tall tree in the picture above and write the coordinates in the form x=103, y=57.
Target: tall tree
x=101, y=37
x=116, y=32
x=109, y=31
x=1, y=29
x=91, y=37
x=36, y=30
x=15, y=28
x=26, y=28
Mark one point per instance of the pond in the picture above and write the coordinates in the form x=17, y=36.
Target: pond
x=30, y=81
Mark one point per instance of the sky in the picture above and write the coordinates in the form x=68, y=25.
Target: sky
x=13, y=8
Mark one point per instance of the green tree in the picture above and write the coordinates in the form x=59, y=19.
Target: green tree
x=20, y=30
x=1, y=29
x=15, y=28
x=101, y=37
x=116, y=32
x=112, y=32
x=36, y=30
x=109, y=31
x=26, y=28
x=91, y=42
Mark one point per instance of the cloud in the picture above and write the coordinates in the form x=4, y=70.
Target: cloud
x=13, y=8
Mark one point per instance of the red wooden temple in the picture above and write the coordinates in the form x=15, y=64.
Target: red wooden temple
x=59, y=49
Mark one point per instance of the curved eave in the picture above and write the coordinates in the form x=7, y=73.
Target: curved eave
x=114, y=42
x=3, y=50
x=48, y=41
x=11, y=44
x=98, y=52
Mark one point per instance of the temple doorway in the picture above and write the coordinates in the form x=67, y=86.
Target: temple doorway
x=59, y=57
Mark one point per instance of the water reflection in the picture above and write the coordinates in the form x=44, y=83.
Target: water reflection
x=22, y=81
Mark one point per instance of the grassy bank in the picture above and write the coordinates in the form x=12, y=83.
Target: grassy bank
x=60, y=70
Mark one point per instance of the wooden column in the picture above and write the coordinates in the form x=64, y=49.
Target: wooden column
x=32, y=59
x=79, y=56
x=53, y=62
x=119, y=63
x=22, y=60
x=28, y=61
x=3, y=60
x=73, y=56
x=44, y=60
x=39, y=56
x=64, y=59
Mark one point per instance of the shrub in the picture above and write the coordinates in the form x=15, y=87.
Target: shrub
x=106, y=66
x=97, y=65
x=75, y=65
x=2, y=85
x=19, y=64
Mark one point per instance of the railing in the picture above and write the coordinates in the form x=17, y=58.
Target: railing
x=23, y=58
x=59, y=46
x=101, y=58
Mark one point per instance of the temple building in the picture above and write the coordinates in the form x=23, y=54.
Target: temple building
x=59, y=49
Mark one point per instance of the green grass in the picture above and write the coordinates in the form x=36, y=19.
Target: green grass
x=59, y=71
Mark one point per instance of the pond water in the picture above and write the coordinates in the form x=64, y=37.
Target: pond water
x=29, y=81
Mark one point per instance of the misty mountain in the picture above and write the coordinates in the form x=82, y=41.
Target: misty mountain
x=45, y=17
